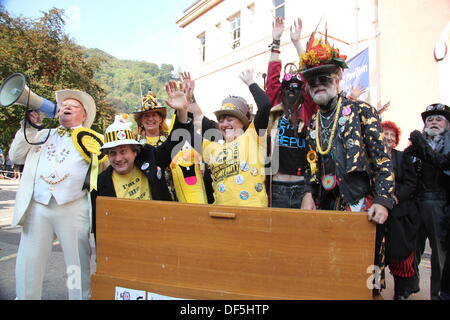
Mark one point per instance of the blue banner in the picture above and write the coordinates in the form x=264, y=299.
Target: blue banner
x=357, y=75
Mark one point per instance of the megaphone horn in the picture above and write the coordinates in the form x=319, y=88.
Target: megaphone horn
x=15, y=90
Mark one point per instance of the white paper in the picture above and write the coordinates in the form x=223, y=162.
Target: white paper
x=129, y=294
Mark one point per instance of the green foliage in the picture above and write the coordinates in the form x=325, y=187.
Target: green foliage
x=50, y=60
x=125, y=80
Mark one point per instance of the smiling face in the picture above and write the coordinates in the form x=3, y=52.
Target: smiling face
x=151, y=121
x=71, y=113
x=231, y=127
x=389, y=138
x=122, y=158
x=435, y=125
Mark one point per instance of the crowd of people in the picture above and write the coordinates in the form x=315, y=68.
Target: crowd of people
x=308, y=146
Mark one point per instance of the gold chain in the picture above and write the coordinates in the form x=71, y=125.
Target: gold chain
x=55, y=181
x=333, y=130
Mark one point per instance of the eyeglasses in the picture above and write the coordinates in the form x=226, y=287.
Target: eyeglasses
x=320, y=80
x=436, y=107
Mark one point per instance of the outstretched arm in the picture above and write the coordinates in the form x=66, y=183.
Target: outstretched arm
x=261, y=99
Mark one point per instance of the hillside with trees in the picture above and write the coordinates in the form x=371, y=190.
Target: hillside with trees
x=50, y=60
x=125, y=80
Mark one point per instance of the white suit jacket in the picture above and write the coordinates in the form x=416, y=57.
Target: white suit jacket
x=21, y=152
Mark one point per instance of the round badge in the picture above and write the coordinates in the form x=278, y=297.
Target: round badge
x=162, y=138
x=288, y=77
x=342, y=121
x=121, y=135
x=244, y=166
x=312, y=134
x=239, y=179
x=329, y=182
x=221, y=187
x=259, y=187
x=244, y=195
x=346, y=111
x=350, y=143
x=158, y=173
x=254, y=172
x=145, y=166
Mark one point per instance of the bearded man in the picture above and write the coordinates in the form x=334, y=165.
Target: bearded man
x=432, y=151
x=349, y=168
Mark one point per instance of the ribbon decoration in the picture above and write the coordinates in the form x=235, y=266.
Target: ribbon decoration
x=88, y=143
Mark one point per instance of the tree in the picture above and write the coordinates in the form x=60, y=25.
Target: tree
x=50, y=60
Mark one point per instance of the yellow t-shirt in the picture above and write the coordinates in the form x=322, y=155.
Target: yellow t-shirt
x=133, y=185
x=237, y=169
x=155, y=141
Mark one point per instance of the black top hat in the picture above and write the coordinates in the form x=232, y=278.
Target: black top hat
x=436, y=109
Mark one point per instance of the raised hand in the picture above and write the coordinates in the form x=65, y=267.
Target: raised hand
x=177, y=96
x=296, y=30
x=296, y=33
x=247, y=77
x=189, y=86
x=277, y=28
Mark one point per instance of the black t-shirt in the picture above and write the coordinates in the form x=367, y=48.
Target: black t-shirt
x=291, y=148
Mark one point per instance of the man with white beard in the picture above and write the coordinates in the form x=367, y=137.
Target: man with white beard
x=349, y=169
x=432, y=151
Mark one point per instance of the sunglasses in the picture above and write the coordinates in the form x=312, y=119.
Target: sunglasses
x=320, y=80
x=436, y=107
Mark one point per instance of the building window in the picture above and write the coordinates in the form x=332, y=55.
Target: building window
x=235, y=30
x=202, y=47
x=278, y=8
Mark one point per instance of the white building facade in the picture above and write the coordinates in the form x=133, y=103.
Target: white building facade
x=221, y=38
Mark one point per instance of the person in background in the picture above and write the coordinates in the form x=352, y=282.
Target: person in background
x=289, y=117
x=403, y=221
x=431, y=148
x=153, y=129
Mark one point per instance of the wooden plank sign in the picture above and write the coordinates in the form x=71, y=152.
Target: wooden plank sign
x=192, y=251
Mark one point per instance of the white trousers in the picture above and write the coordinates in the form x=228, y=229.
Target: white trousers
x=71, y=224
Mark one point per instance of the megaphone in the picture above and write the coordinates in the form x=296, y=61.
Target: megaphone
x=15, y=90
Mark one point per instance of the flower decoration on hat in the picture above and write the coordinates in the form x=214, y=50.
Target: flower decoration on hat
x=320, y=52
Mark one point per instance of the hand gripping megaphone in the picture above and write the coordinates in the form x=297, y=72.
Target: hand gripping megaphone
x=15, y=90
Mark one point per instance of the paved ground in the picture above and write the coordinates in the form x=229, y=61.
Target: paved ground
x=54, y=287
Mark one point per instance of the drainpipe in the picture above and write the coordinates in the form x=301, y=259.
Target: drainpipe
x=377, y=54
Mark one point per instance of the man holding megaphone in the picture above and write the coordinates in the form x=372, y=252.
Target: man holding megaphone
x=51, y=199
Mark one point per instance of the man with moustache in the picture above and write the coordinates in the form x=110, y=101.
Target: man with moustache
x=51, y=199
x=432, y=152
x=349, y=168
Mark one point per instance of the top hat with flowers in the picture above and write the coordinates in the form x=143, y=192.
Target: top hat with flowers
x=320, y=57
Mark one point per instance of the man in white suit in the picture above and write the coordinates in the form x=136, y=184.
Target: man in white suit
x=51, y=200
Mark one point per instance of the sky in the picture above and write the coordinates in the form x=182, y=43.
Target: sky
x=132, y=29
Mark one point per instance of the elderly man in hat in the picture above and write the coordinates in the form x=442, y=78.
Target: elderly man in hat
x=51, y=199
x=349, y=168
x=432, y=151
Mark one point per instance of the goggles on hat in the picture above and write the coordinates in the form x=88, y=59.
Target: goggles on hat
x=320, y=80
x=436, y=107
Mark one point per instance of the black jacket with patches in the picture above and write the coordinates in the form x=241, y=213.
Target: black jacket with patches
x=362, y=163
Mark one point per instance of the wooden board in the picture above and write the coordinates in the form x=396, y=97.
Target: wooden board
x=219, y=252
